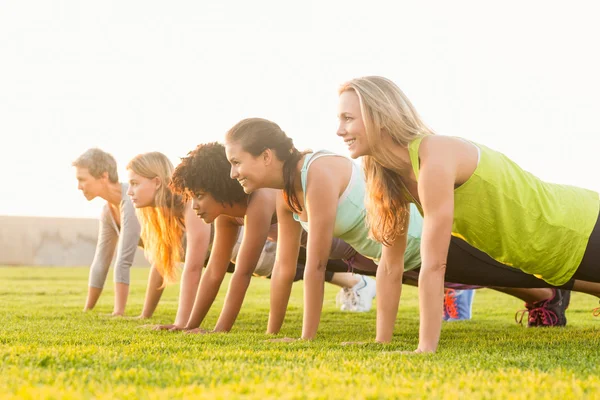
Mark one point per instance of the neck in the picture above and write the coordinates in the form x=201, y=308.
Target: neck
x=276, y=180
x=238, y=210
x=112, y=193
x=395, y=157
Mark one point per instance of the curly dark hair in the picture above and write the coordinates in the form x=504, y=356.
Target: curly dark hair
x=206, y=169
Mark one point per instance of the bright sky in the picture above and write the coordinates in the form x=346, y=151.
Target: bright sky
x=136, y=76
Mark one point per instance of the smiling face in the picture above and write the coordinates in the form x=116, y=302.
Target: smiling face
x=142, y=190
x=248, y=170
x=206, y=207
x=90, y=186
x=352, y=127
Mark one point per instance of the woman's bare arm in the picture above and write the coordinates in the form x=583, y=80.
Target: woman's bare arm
x=288, y=247
x=256, y=228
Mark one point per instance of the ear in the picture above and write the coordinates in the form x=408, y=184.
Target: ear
x=157, y=182
x=267, y=156
x=104, y=176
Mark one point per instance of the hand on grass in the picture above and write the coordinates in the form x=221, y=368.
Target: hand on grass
x=167, y=327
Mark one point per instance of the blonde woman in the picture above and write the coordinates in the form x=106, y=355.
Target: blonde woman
x=168, y=223
x=464, y=190
x=323, y=193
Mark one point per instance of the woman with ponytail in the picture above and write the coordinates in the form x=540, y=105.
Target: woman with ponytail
x=262, y=156
x=168, y=224
x=468, y=194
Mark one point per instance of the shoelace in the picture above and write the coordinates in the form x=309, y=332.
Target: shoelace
x=350, y=262
x=596, y=311
x=536, y=315
x=349, y=297
x=450, y=304
x=549, y=318
x=519, y=315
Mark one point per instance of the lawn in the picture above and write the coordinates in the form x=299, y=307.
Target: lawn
x=49, y=348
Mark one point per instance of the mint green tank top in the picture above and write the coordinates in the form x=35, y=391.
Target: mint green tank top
x=519, y=220
x=350, y=220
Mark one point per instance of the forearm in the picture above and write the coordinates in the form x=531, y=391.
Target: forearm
x=233, y=302
x=389, y=289
x=281, y=288
x=121, y=295
x=92, y=297
x=314, y=279
x=207, y=292
x=153, y=292
x=431, y=296
x=190, y=278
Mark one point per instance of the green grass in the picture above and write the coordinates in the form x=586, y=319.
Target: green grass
x=50, y=349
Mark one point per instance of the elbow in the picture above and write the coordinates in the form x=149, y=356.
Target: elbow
x=242, y=275
x=316, y=273
x=283, y=276
x=390, y=273
x=432, y=271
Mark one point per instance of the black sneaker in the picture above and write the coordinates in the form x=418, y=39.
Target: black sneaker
x=550, y=312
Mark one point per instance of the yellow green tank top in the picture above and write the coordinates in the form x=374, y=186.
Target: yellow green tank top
x=519, y=220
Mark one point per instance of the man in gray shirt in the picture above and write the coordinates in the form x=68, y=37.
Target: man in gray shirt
x=96, y=173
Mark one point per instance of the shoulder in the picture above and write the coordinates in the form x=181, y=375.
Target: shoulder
x=439, y=146
x=442, y=144
x=330, y=165
x=105, y=212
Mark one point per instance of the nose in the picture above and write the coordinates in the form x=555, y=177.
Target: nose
x=79, y=186
x=195, y=205
x=129, y=191
x=341, y=131
x=233, y=172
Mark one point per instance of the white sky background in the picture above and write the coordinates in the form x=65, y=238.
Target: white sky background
x=130, y=77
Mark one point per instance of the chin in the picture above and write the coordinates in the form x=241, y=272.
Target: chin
x=355, y=153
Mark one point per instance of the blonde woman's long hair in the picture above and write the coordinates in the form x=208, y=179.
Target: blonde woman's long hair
x=162, y=225
x=386, y=111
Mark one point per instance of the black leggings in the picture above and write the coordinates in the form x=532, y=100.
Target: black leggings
x=469, y=266
x=589, y=268
x=333, y=266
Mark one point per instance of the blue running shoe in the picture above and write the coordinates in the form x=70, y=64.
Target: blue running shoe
x=458, y=304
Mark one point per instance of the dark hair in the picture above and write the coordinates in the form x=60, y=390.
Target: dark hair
x=206, y=169
x=257, y=135
x=98, y=162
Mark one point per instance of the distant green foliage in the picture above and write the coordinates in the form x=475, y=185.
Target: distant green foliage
x=49, y=348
